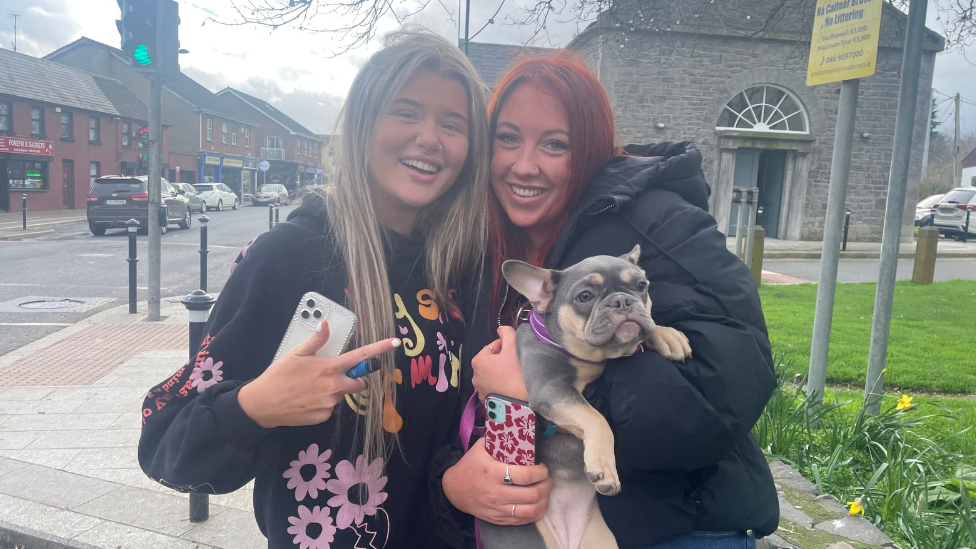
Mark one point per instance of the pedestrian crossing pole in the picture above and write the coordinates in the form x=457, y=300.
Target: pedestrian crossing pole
x=155, y=200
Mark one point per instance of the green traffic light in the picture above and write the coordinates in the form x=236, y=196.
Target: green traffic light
x=141, y=55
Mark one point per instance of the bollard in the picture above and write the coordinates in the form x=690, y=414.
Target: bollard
x=203, y=251
x=965, y=232
x=758, y=247
x=276, y=213
x=24, y=198
x=737, y=198
x=752, y=200
x=759, y=217
x=926, y=250
x=133, y=227
x=847, y=227
x=198, y=303
x=270, y=216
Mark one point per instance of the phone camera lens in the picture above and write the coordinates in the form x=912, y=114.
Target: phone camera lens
x=317, y=314
x=491, y=415
x=310, y=303
x=491, y=404
x=305, y=315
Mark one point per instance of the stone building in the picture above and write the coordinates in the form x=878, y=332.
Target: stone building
x=698, y=69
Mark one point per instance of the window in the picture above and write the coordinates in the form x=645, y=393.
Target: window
x=306, y=148
x=233, y=135
x=27, y=175
x=67, y=126
x=93, y=129
x=94, y=171
x=37, y=121
x=6, y=116
x=224, y=132
x=764, y=109
x=126, y=134
x=299, y=151
x=247, y=137
x=210, y=129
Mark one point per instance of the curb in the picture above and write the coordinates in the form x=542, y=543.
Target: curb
x=862, y=255
x=15, y=537
x=22, y=236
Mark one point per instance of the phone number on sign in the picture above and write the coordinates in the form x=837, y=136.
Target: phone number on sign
x=844, y=56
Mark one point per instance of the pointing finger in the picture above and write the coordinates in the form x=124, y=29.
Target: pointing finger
x=348, y=360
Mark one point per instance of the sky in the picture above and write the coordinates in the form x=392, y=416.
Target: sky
x=295, y=71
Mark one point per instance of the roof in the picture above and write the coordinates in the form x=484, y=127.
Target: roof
x=49, y=82
x=268, y=110
x=494, y=60
x=126, y=102
x=184, y=86
x=970, y=160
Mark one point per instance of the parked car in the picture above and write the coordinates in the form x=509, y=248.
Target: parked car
x=115, y=199
x=923, y=210
x=193, y=195
x=950, y=212
x=270, y=194
x=217, y=195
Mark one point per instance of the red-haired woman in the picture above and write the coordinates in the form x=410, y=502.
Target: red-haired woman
x=691, y=474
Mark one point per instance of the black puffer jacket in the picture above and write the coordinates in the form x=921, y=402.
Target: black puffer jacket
x=684, y=453
x=686, y=459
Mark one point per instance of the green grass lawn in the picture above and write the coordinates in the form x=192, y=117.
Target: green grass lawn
x=931, y=347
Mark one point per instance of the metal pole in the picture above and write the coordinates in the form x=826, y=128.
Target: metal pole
x=155, y=128
x=740, y=220
x=965, y=232
x=759, y=214
x=840, y=167
x=198, y=303
x=956, y=172
x=203, y=252
x=752, y=199
x=467, y=23
x=23, y=197
x=276, y=213
x=133, y=227
x=928, y=134
x=270, y=216
x=847, y=227
x=897, y=183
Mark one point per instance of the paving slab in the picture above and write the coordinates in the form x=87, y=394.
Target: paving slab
x=55, y=459
x=57, y=422
x=144, y=509
x=122, y=536
x=17, y=440
x=133, y=477
x=108, y=438
x=106, y=458
x=232, y=528
x=856, y=528
x=45, y=518
x=8, y=465
x=52, y=487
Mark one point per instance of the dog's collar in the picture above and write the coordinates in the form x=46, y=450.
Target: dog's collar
x=542, y=334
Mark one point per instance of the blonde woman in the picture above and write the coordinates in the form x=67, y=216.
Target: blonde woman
x=340, y=462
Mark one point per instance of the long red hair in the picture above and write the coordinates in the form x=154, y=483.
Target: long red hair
x=591, y=144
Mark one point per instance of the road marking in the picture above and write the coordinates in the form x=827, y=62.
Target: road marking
x=96, y=255
x=144, y=243
x=35, y=324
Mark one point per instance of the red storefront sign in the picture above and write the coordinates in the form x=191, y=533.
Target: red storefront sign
x=19, y=145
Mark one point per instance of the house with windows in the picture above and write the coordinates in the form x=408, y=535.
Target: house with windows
x=731, y=77
x=60, y=128
x=294, y=152
x=209, y=141
x=969, y=170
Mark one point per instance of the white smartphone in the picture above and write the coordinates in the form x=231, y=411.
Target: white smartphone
x=312, y=310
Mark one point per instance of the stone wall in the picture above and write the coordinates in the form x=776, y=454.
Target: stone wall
x=684, y=79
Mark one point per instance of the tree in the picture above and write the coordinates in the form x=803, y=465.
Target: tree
x=355, y=22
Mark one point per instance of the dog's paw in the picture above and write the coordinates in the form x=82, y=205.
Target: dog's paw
x=603, y=475
x=670, y=343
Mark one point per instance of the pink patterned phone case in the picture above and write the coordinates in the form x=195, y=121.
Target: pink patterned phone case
x=509, y=430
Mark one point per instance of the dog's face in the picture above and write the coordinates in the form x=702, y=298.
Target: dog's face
x=598, y=309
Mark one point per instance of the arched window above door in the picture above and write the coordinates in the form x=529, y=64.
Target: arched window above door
x=764, y=108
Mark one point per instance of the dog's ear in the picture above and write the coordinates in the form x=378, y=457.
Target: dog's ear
x=535, y=283
x=633, y=256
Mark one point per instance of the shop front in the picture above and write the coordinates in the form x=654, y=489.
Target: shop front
x=226, y=169
x=248, y=178
x=25, y=169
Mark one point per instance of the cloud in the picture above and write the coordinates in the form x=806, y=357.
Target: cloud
x=315, y=110
x=292, y=73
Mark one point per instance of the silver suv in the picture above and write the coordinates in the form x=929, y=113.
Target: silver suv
x=950, y=212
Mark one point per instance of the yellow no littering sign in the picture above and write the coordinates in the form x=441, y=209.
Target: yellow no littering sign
x=845, y=40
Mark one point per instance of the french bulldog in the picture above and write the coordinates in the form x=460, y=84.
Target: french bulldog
x=582, y=317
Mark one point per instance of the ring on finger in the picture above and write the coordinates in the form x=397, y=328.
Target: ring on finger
x=507, y=479
x=492, y=349
x=513, y=511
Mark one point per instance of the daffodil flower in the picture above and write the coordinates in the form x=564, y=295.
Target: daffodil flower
x=857, y=506
x=905, y=403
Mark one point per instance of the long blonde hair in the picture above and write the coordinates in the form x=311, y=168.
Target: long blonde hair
x=453, y=225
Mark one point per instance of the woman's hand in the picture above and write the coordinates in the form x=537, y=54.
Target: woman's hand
x=475, y=486
x=499, y=371
x=302, y=389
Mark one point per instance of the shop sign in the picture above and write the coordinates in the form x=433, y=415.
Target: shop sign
x=233, y=163
x=250, y=164
x=19, y=145
x=212, y=160
x=845, y=40
x=264, y=165
x=310, y=169
x=320, y=170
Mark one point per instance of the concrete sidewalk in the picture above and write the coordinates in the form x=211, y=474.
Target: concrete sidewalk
x=38, y=223
x=69, y=431
x=803, y=249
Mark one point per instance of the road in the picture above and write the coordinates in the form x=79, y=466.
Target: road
x=866, y=270
x=71, y=263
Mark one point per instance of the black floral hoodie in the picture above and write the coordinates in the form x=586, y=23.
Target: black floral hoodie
x=313, y=489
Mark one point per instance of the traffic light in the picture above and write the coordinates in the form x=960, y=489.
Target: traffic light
x=150, y=35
